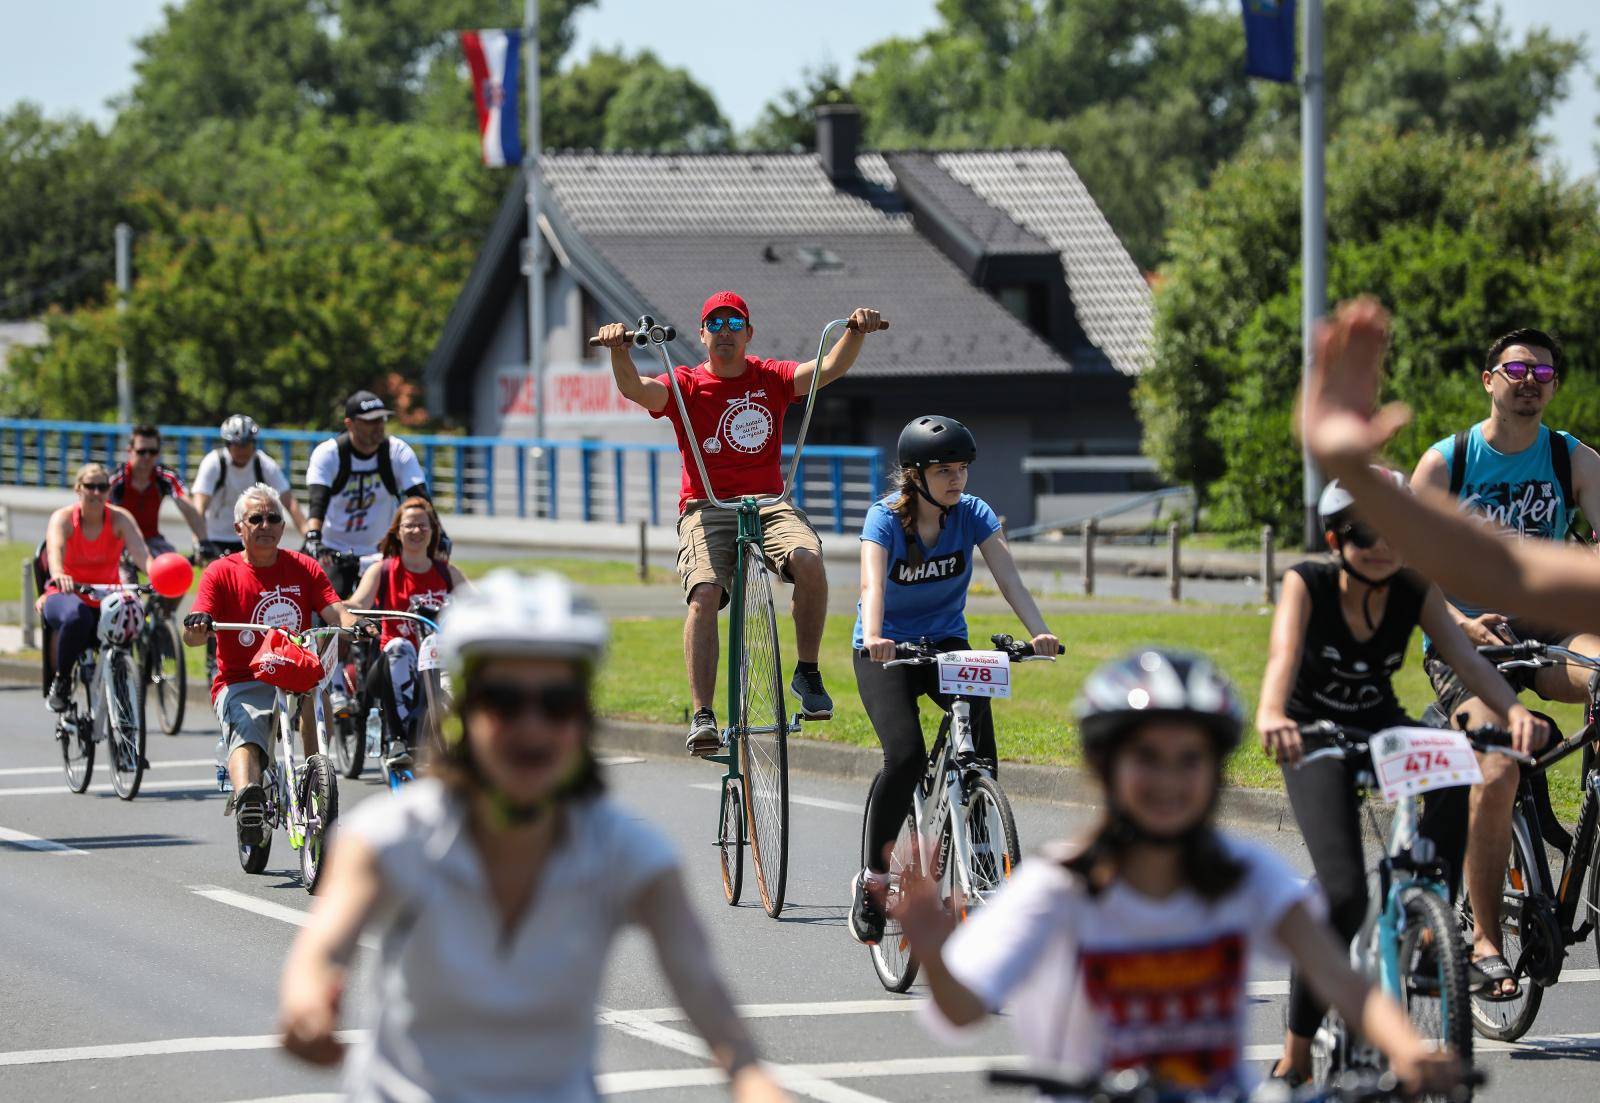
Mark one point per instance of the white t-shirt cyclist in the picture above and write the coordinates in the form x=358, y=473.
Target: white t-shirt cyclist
x=360, y=511
x=218, y=477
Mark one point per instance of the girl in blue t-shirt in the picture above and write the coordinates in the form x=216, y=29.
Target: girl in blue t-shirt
x=916, y=563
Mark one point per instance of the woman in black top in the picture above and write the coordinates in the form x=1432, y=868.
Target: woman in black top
x=1339, y=635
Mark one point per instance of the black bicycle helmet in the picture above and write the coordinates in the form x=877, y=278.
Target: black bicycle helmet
x=1336, y=508
x=239, y=429
x=935, y=439
x=1155, y=684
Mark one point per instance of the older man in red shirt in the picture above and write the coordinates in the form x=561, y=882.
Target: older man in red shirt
x=736, y=404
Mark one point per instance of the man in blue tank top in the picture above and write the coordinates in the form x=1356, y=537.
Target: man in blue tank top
x=1524, y=477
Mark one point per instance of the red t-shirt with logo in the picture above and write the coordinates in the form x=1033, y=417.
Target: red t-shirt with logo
x=289, y=595
x=399, y=585
x=739, y=424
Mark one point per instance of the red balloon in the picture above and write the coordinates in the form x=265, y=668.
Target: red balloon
x=171, y=574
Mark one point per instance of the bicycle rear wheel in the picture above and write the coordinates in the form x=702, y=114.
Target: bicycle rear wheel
x=320, y=806
x=991, y=837
x=892, y=959
x=1433, y=973
x=125, y=723
x=730, y=840
x=164, y=669
x=763, y=734
x=1508, y=1020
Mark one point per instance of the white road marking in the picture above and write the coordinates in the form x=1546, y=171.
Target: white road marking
x=33, y=842
x=281, y=912
x=16, y=771
x=813, y=802
x=148, y=786
x=619, y=759
x=159, y=1048
x=618, y=1083
x=780, y=1010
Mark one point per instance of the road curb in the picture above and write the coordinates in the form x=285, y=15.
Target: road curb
x=1260, y=808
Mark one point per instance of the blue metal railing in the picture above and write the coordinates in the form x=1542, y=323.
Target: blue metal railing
x=496, y=476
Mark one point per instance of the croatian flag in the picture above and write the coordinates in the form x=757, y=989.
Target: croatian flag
x=492, y=56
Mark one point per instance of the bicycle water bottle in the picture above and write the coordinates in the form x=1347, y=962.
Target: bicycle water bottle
x=223, y=782
x=374, y=733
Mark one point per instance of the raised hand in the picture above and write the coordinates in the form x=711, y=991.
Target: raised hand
x=1337, y=404
x=864, y=319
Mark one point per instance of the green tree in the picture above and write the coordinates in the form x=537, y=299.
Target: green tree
x=662, y=108
x=788, y=124
x=1462, y=241
x=1149, y=97
x=60, y=196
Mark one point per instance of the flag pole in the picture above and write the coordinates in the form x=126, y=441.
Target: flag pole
x=1313, y=238
x=533, y=246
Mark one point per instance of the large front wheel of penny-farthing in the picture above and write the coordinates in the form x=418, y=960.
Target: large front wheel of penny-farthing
x=763, y=734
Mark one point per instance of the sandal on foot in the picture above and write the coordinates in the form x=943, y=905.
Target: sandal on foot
x=1496, y=971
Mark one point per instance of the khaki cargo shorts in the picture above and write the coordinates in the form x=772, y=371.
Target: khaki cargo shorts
x=706, y=537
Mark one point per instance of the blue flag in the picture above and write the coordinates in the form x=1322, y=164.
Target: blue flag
x=1269, y=39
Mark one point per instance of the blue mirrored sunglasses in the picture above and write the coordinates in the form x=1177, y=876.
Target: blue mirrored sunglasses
x=735, y=325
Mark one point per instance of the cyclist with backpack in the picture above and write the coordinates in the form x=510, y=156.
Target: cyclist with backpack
x=409, y=578
x=1524, y=477
x=916, y=565
x=355, y=482
x=1339, y=636
x=227, y=472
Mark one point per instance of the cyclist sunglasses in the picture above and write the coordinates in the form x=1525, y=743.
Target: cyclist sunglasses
x=507, y=700
x=735, y=325
x=259, y=519
x=1518, y=370
x=1357, y=534
x=145, y=451
x=95, y=488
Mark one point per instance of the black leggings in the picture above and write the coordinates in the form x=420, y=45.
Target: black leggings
x=890, y=697
x=1323, y=796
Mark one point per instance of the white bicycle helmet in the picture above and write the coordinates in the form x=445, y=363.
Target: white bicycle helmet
x=121, y=617
x=1336, y=499
x=542, y=616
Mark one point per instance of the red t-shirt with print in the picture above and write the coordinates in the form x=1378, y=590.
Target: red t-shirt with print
x=289, y=595
x=739, y=424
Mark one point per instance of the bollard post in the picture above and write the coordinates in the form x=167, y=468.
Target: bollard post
x=1269, y=573
x=29, y=639
x=1174, y=567
x=1090, y=527
x=644, y=553
x=5, y=522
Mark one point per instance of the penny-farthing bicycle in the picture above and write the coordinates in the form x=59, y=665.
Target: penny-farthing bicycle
x=753, y=809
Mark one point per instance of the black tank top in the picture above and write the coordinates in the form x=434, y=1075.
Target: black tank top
x=1340, y=678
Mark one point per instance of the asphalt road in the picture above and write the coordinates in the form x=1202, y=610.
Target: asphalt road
x=141, y=963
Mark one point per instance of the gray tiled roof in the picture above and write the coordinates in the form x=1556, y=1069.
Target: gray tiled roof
x=941, y=324
x=755, y=193
x=990, y=227
x=1041, y=191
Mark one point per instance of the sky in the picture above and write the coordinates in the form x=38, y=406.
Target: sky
x=744, y=53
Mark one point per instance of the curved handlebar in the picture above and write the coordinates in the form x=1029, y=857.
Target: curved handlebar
x=1348, y=742
x=100, y=589
x=394, y=614
x=923, y=653
x=309, y=633
x=649, y=332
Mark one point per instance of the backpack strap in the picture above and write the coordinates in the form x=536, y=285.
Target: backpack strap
x=1458, y=463
x=1561, y=462
x=222, y=471
x=261, y=474
x=346, y=457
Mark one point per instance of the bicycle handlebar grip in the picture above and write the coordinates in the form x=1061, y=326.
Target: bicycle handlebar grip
x=632, y=335
x=851, y=325
x=1500, y=652
x=1490, y=735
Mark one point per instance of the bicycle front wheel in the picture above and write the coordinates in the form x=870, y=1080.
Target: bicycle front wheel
x=763, y=734
x=1433, y=973
x=320, y=806
x=991, y=832
x=124, y=709
x=165, y=670
x=75, y=733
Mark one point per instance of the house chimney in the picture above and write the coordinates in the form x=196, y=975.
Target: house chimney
x=838, y=138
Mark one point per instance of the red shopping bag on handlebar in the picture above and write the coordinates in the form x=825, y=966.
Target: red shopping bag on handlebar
x=286, y=665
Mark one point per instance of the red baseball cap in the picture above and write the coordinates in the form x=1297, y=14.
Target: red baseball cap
x=720, y=299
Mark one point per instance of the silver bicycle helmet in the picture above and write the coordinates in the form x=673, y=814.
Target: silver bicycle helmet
x=240, y=429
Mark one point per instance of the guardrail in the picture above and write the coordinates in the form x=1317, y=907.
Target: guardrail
x=569, y=480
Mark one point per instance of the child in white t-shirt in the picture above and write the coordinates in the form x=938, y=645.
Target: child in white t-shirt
x=1130, y=949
